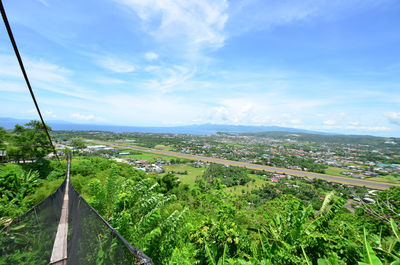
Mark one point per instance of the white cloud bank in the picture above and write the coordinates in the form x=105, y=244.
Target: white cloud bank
x=394, y=117
x=116, y=65
x=151, y=56
x=196, y=23
x=329, y=122
x=88, y=117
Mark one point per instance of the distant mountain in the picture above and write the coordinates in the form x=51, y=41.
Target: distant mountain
x=9, y=123
x=214, y=128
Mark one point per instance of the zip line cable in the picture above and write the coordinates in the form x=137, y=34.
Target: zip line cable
x=14, y=44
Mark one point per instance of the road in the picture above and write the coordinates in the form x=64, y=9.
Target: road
x=344, y=180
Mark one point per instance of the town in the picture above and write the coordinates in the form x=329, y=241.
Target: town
x=374, y=159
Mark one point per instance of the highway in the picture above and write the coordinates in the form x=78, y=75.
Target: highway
x=344, y=180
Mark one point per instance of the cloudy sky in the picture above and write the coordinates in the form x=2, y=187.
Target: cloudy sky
x=313, y=64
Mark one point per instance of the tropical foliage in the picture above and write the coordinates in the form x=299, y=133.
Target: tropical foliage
x=228, y=175
x=25, y=142
x=204, y=224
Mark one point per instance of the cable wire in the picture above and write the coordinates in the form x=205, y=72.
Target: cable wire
x=14, y=44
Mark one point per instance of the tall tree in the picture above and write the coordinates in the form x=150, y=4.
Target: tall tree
x=78, y=144
x=3, y=135
x=31, y=140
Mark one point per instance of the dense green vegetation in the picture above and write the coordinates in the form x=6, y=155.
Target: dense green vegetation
x=25, y=142
x=304, y=164
x=204, y=220
x=176, y=223
x=227, y=175
x=24, y=185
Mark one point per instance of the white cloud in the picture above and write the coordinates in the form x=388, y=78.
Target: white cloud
x=88, y=117
x=50, y=114
x=261, y=109
x=108, y=80
x=354, y=123
x=169, y=79
x=46, y=72
x=150, y=109
x=329, y=122
x=116, y=65
x=296, y=122
x=13, y=87
x=151, y=68
x=42, y=75
x=247, y=15
x=197, y=23
x=151, y=56
x=394, y=117
x=38, y=70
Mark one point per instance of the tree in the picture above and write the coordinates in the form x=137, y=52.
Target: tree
x=229, y=176
x=3, y=137
x=78, y=144
x=168, y=182
x=31, y=140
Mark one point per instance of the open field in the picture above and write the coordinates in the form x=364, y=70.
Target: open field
x=143, y=155
x=258, y=182
x=190, y=178
x=388, y=178
x=193, y=172
x=335, y=171
x=163, y=147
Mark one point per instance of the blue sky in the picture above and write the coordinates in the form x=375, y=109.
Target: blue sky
x=319, y=65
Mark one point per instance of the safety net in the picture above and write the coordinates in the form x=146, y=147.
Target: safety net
x=93, y=241
x=30, y=238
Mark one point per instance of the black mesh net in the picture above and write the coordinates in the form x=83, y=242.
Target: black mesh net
x=91, y=240
x=29, y=238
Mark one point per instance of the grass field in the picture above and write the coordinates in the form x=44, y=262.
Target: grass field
x=158, y=147
x=142, y=155
x=193, y=172
x=335, y=171
x=163, y=147
x=388, y=178
x=190, y=178
x=249, y=186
